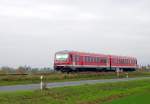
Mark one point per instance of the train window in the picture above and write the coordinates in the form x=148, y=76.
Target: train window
x=131, y=61
x=86, y=59
x=126, y=61
x=62, y=57
x=115, y=61
x=97, y=59
x=91, y=59
x=77, y=58
x=135, y=62
x=122, y=61
x=118, y=61
x=94, y=59
x=104, y=60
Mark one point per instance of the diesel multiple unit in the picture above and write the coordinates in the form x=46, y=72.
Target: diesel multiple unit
x=67, y=61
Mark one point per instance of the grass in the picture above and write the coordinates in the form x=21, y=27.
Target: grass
x=108, y=93
x=58, y=77
x=138, y=98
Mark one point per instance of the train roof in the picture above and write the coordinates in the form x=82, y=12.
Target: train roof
x=94, y=54
x=83, y=53
x=122, y=56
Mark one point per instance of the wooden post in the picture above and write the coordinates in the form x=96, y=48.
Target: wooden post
x=127, y=76
x=117, y=71
x=41, y=87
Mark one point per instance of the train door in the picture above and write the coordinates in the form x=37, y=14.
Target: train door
x=81, y=60
x=76, y=60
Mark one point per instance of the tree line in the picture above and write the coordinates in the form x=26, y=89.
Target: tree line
x=24, y=70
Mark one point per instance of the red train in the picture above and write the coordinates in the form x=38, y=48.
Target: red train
x=67, y=61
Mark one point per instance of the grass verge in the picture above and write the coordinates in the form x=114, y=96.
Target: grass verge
x=59, y=77
x=108, y=93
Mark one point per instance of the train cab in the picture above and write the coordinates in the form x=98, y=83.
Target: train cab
x=62, y=60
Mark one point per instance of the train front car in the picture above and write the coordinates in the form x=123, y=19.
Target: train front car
x=67, y=61
x=62, y=61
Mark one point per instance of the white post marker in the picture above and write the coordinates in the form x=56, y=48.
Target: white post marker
x=117, y=71
x=41, y=82
x=127, y=75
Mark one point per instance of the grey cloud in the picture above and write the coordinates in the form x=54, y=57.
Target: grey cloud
x=32, y=31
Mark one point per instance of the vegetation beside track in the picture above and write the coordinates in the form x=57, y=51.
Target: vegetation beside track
x=108, y=93
x=58, y=77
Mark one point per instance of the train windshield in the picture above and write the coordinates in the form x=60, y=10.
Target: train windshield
x=62, y=57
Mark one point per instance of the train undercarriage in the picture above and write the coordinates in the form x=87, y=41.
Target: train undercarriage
x=94, y=69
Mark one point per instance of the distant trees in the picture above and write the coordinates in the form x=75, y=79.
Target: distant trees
x=6, y=70
x=24, y=70
x=145, y=68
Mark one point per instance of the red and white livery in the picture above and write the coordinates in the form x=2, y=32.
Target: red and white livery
x=67, y=61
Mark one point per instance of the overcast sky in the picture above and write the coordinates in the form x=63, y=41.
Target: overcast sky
x=31, y=31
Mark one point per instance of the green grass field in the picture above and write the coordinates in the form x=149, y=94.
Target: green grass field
x=57, y=77
x=131, y=92
x=138, y=98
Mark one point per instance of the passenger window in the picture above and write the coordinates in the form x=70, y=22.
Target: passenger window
x=99, y=59
x=104, y=60
x=86, y=59
x=77, y=58
x=89, y=60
